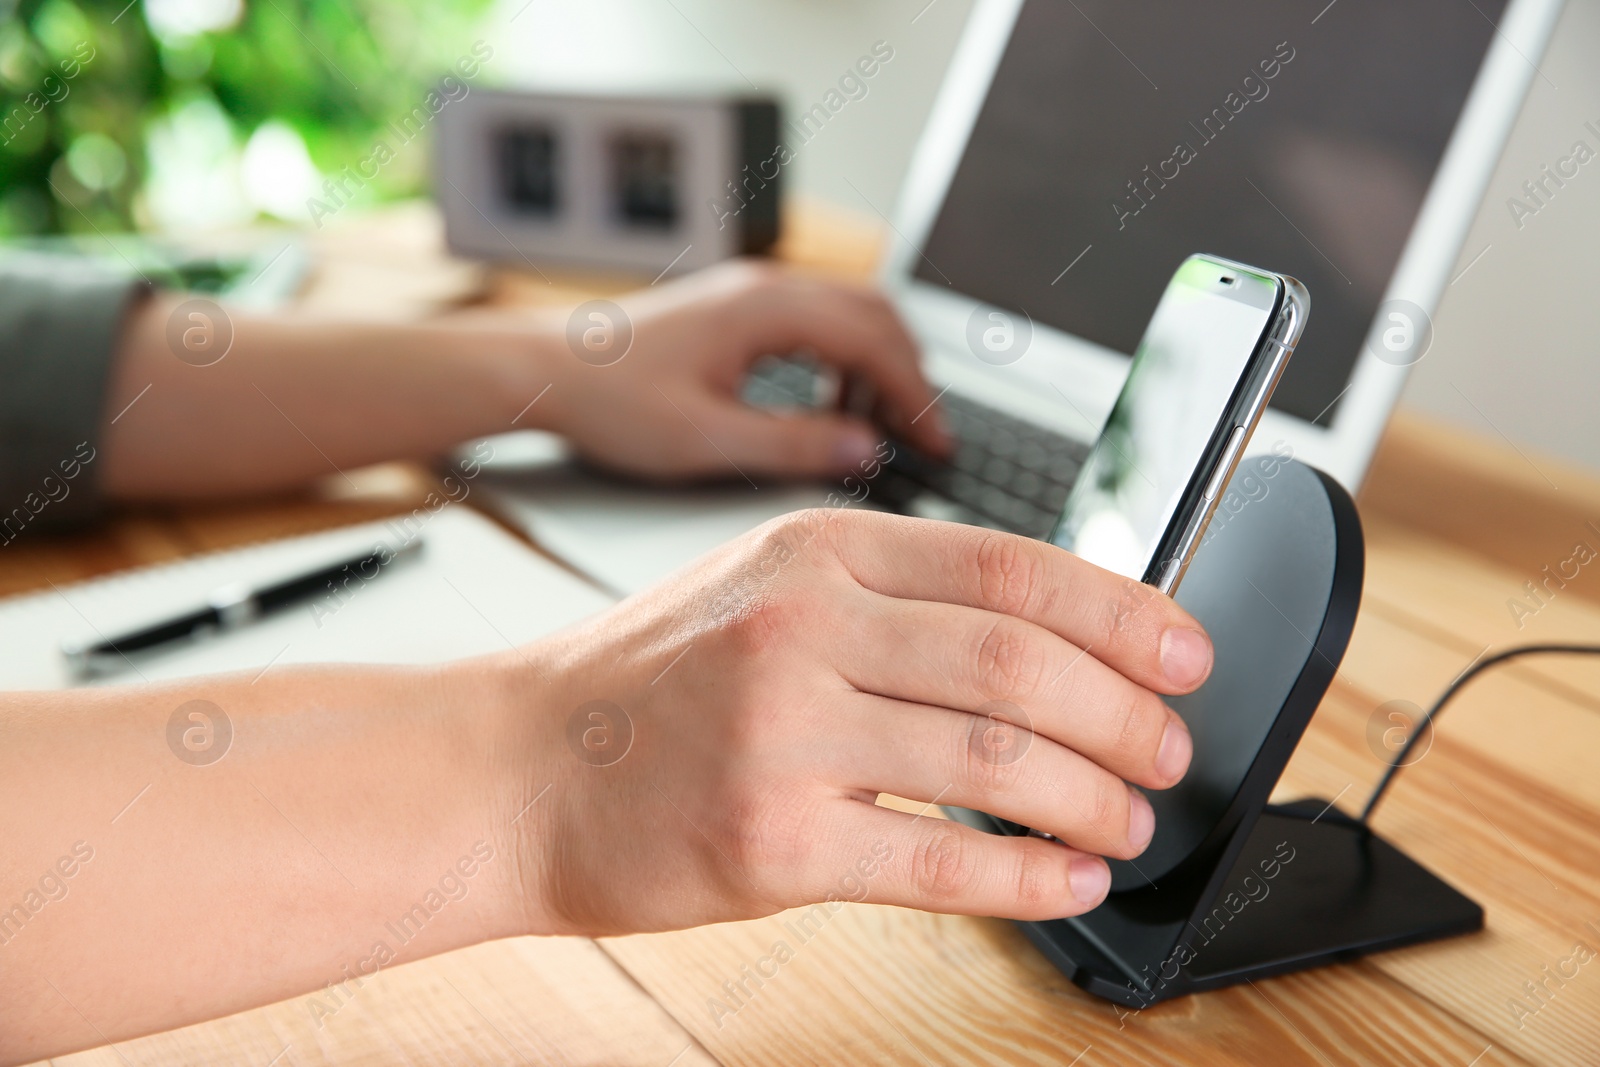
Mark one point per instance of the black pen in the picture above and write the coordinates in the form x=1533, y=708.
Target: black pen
x=227, y=608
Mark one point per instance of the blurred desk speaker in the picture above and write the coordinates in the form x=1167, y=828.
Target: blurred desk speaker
x=636, y=183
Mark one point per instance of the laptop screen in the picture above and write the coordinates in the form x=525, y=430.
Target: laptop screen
x=1118, y=138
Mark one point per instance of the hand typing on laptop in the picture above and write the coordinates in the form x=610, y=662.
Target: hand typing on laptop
x=672, y=407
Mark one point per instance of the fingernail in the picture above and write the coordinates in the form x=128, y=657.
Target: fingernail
x=1089, y=878
x=1177, y=748
x=853, y=448
x=1185, y=656
x=1141, y=821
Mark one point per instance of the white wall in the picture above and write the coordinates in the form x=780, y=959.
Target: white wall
x=798, y=48
x=1517, y=340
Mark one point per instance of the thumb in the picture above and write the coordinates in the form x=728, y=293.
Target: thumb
x=795, y=444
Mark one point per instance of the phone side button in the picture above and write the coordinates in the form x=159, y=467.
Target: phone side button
x=1224, y=462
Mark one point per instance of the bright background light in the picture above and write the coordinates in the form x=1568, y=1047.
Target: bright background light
x=186, y=18
x=277, y=172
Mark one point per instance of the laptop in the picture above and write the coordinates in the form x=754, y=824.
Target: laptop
x=1077, y=151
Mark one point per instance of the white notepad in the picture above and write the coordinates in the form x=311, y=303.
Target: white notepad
x=474, y=588
x=626, y=536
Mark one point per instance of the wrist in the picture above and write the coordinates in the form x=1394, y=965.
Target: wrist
x=520, y=739
x=513, y=365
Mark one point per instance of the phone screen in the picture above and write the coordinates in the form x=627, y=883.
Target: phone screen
x=1185, y=373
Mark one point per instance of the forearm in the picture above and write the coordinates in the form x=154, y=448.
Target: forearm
x=296, y=398
x=359, y=817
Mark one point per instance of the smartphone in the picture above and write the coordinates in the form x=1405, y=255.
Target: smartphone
x=1213, y=353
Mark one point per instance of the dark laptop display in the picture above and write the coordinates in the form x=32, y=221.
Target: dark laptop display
x=1258, y=130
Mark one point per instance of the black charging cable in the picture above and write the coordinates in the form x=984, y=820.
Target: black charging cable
x=1425, y=724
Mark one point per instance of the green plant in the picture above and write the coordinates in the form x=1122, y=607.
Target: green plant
x=90, y=92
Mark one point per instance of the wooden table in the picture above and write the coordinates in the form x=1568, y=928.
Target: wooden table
x=1506, y=806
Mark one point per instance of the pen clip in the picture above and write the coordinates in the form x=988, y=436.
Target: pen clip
x=234, y=604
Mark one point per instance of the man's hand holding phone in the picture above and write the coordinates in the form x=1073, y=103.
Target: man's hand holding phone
x=770, y=692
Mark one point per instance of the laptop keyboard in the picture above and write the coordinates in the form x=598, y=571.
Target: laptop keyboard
x=1005, y=473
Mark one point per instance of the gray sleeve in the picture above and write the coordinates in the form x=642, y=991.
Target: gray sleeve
x=59, y=320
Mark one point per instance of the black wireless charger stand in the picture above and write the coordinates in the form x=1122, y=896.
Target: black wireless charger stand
x=1232, y=888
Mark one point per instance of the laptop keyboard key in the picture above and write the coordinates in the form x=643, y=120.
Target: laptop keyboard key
x=999, y=471
x=1034, y=456
x=1064, y=469
x=1027, y=485
x=1006, y=473
x=933, y=506
x=970, y=457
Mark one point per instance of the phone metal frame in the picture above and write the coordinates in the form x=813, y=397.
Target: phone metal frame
x=1285, y=323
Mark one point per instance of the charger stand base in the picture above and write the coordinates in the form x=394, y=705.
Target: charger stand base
x=1345, y=892
x=1233, y=889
